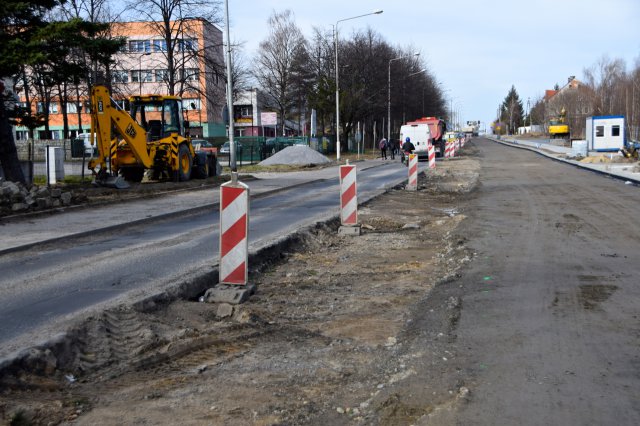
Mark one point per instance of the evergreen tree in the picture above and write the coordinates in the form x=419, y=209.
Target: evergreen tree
x=20, y=22
x=511, y=111
x=31, y=44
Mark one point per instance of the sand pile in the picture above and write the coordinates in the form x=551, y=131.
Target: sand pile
x=296, y=154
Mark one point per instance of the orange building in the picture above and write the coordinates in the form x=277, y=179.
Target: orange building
x=143, y=67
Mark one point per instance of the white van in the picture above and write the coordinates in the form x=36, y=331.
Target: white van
x=420, y=136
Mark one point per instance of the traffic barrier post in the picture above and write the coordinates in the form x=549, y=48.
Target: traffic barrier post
x=432, y=157
x=412, y=183
x=348, y=201
x=234, y=226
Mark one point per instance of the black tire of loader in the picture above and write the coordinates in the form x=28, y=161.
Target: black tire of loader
x=185, y=163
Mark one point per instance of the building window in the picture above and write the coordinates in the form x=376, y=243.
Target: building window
x=188, y=45
x=144, y=76
x=22, y=135
x=120, y=76
x=246, y=111
x=190, y=74
x=162, y=75
x=140, y=46
x=615, y=130
x=122, y=104
x=599, y=131
x=191, y=104
x=53, y=107
x=72, y=107
x=159, y=45
x=55, y=134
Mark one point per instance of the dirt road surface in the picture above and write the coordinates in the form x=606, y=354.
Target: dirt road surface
x=502, y=292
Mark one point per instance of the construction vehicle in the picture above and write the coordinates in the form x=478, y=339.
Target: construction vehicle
x=558, y=127
x=151, y=138
x=419, y=133
x=437, y=129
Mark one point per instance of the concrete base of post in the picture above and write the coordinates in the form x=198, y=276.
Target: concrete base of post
x=349, y=230
x=229, y=293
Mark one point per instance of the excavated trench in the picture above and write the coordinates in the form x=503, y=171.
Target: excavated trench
x=336, y=326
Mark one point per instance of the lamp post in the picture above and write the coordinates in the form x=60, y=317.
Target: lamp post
x=335, y=37
x=403, y=91
x=232, y=145
x=389, y=93
x=140, y=70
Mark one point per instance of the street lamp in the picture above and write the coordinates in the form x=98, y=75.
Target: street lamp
x=140, y=70
x=403, y=92
x=232, y=145
x=335, y=37
x=389, y=93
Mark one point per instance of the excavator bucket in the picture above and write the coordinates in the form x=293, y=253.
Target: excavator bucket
x=117, y=182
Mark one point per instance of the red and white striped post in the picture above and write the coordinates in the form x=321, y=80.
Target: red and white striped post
x=412, y=184
x=432, y=156
x=348, y=200
x=447, y=149
x=234, y=226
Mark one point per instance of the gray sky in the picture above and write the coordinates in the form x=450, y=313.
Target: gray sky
x=476, y=49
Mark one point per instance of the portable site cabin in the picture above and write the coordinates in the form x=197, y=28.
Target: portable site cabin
x=605, y=133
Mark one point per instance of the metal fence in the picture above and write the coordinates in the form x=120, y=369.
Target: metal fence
x=32, y=153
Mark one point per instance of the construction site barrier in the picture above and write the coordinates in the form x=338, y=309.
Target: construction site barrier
x=234, y=225
x=348, y=196
x=412, y=184
x=432, y=157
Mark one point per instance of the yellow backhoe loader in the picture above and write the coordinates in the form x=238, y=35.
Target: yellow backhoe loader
x=150, y=138
x=558, y=127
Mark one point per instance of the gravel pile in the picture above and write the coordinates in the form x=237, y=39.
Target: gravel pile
x=298, y=155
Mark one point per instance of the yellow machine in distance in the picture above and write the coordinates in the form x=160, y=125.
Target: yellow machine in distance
x=558, y=127
x=151, y=138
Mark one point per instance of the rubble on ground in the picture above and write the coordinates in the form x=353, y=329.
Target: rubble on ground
x=18, y=198
x=297, y=154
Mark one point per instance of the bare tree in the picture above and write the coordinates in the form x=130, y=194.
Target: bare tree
x=321, y=95
x=603, y=79
x=175, y=22
x=240, y=72
x=274, y=66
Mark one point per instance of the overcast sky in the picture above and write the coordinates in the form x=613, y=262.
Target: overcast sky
x=476, y=49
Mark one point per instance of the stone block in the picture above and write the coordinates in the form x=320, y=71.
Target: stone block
x=232, y=294
x=18, y=207
x=224, y=310
x=349, y=230
x=66, y=198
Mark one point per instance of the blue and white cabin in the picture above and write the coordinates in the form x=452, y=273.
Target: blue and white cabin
x=605, y=133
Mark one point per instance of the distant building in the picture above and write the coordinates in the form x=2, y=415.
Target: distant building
x=575, y=99
x=247, y=117
x=142, y=67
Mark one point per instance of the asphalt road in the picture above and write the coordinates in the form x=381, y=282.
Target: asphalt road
x=549, y=332
x=53, y=281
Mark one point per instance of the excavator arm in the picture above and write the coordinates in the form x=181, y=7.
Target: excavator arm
x=104, y=117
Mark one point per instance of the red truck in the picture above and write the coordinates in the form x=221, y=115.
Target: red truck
x=438, y=128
